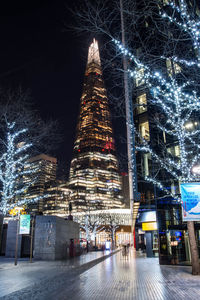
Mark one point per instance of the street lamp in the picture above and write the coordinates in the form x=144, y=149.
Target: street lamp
x=18, y=209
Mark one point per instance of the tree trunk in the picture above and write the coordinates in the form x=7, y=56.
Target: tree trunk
x=193, y=248
x=113, y=240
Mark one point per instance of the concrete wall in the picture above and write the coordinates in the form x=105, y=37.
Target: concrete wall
x=11, y=239
x=52, y=237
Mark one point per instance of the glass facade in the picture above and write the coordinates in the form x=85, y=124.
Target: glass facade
x=45, y=171
x=173, y=235
x=94, y=176
x=57, y=198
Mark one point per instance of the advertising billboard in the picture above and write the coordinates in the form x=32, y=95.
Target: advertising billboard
x=190, y=195
x=24, y=224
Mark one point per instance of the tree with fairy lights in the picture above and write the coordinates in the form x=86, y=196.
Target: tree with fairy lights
x=154, y=35
x=176, y=99
x=97, y=227
x=22, y=135
x=85, y=225
x=112, y=225
x=189, y=23
x=14, y=168
x=92, y=224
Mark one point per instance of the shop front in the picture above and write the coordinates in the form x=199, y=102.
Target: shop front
x=123, y=236
x=173, y=235
x=147, y=233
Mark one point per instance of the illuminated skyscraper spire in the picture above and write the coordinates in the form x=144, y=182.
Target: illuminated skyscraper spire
x=94, y=176
x=93, y=53
x=93, y=62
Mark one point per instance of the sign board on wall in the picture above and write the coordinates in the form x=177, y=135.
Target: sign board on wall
x=147, y=216
x=25, y=221
x=190, y=195
x=149, y=226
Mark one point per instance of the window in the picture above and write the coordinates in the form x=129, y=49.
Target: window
x=174, y=151
x=140, y=77
x=164, y=137
x=166, y=2
x=177, y=151
x=172, y=67
x=191, y=125
x=146, y=164
x=141, y=103
x=144, y=130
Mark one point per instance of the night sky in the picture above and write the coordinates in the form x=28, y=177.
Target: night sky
x=37, y=53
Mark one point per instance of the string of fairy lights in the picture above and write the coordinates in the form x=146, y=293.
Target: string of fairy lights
x=178, y=101
x=13, y=170
x=188, y=23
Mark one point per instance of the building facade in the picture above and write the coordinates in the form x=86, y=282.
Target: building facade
x=58, y=197
x=44, y=170
x=94, y=176
x=171, y=230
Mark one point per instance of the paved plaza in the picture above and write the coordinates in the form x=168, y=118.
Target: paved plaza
x=115, y=278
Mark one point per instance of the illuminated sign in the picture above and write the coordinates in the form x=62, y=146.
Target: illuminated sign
x=149, y=226
x=24, y=224
x=147, y=216
x=190, y=195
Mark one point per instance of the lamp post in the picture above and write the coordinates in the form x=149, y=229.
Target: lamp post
x=130, y=129
x=17, y=232
x=32, y=232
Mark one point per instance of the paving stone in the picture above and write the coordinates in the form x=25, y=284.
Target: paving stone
x=116, y=278
x=137, y=278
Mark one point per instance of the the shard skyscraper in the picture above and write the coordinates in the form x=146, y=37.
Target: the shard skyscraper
x=94, y=176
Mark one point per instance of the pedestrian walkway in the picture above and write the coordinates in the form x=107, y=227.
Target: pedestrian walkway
x=131, y=277
x=134, y=277
x=25, y=274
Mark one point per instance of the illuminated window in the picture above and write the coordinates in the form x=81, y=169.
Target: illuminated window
x=144, y=130
x=174, y=151
x=142, y=103
x=164, y=136
x=172, y=68
x=191, y=125
x=177, y=151
x=140, y=77
x=146, y=164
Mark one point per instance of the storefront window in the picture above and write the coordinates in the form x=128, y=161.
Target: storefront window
x=173, y=236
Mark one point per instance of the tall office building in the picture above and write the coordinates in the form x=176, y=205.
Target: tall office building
x=94, y=177
x=56, y=202
x=148, y=118
x=45, y=171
